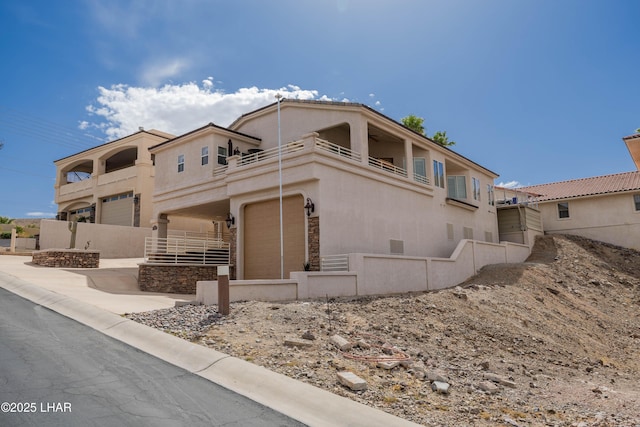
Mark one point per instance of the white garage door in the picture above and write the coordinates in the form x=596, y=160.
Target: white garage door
x=118, y=210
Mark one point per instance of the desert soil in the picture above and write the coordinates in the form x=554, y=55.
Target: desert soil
x=554, y=341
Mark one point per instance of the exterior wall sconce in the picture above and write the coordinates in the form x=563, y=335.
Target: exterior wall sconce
x=310, y=207
x=230, y=220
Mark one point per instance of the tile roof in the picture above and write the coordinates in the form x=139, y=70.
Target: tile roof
x=627, y=181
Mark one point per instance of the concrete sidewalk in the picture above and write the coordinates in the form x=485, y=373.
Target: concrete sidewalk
x=96, y=297
x=112, y=287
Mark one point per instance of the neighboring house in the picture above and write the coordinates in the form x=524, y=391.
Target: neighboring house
x=111, y=183
x=519, y=218
x=353, y=181
x=604, y=208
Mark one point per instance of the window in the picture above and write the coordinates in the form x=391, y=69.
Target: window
x=563, y=210
x=636, y=201
x=420, y=169
x=438, y=174
x=222, y=155
x=457, y=187
x=476, y=188
x=490, y=194
x=205, y=156
x=180, y=162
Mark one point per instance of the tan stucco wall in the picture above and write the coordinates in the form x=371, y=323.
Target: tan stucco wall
x=608, y=218
x=112, y=241
x=372, y=274
x=138, y=179
x=361, y=208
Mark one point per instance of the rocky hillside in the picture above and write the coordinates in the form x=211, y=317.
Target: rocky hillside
x=554, y=341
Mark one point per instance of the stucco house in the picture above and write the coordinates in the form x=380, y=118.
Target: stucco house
x=604, y=208
x=353, y=181
x=111, y=183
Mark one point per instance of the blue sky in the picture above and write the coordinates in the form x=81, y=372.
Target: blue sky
x=535, y=90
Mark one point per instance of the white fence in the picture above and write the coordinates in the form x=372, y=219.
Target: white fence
x=180, y=250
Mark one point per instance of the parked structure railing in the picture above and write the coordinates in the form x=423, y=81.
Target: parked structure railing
x=181, y=250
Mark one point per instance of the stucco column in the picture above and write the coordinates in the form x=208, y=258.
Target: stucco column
x=408, y=154
x=14, y=235
x=159, y=228
x=360, y=139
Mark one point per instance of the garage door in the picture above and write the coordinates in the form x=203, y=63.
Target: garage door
x=262, y=238
x=117, y=210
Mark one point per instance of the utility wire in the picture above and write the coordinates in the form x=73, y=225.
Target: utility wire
x=27, y=125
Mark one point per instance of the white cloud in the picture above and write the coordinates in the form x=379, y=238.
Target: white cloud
x=510, y=184
x=155, y=73
x=178, y=108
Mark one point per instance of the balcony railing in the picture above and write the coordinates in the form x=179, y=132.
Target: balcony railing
x=337, y=149
x=271, y=153
x=386, y=166
x=326, y=146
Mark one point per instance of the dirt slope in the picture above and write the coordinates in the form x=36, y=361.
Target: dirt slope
x=554, y=341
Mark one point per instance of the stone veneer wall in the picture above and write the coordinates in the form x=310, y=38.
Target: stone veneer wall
x=69, y=258
x=314, y=243
x=174, y=278
x=233, y=250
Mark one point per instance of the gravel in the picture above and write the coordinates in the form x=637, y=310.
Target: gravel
x=554, y=341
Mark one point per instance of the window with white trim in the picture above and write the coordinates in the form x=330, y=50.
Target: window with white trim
x=204, y=156
x=457, y=186
x=180, y=163
x=438, y=174
x=490, y=194
x=222, y=155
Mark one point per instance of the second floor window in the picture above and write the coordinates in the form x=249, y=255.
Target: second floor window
x=222, y=155
x=438, y=174
x=205, y=156
x=636, y=201
x=181, y=163
x=490, y=194
x=476, y=188
x=457, y=187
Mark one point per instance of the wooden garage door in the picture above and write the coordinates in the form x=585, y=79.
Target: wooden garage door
x=117, y=210
x=262, y=238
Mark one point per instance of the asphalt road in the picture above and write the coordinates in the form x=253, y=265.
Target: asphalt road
x=55, y=371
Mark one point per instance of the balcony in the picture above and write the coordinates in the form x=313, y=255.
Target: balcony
x=311, y=144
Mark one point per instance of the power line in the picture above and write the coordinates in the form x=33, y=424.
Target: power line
x=38, y=128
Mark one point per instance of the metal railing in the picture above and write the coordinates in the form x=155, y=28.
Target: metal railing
x=386, y=166
x=334, y=263
x=324, y=145
x=180, y=250
x=337, y=149
x=420, y=178
x=291, y=147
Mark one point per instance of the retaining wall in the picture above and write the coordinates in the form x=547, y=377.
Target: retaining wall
x=69, y=258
